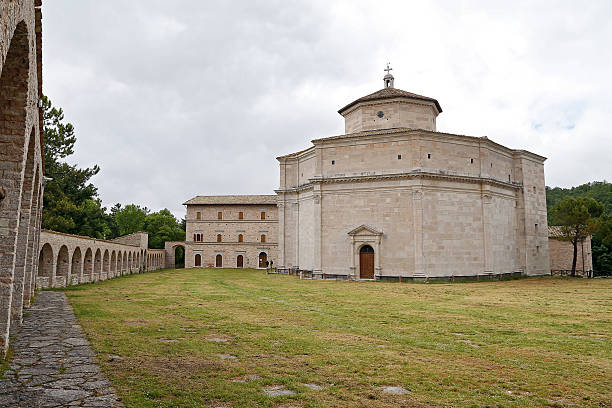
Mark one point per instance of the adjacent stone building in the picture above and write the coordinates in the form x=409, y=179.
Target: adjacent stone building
x=392, y=197
x=21, y=166
x=562, y=254
x=239, y=231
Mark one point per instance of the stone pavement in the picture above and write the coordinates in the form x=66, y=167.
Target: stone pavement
x=52, y=363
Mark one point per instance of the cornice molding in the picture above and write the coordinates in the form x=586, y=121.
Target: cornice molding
x=415, y=174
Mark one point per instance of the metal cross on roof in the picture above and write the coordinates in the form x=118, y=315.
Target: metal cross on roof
x=388, y=68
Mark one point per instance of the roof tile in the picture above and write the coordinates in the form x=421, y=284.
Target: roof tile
x=389, y=93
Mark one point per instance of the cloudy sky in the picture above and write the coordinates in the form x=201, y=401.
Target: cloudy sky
x=179, y=98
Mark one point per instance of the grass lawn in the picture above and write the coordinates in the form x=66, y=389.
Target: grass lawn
x=219, y=338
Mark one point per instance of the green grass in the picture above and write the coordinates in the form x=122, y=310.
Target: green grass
x=529, y=342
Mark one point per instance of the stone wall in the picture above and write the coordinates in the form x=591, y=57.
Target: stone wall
x=562, y=254
x=140, y=239
x=21, y=167
x=66, y=259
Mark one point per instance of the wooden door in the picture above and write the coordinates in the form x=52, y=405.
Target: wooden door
x=198, y=260
x=219, y=261
x=366, y=262
x=239, y=261
x=262, y=259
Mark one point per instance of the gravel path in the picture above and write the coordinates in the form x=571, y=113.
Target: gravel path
x=52, y=363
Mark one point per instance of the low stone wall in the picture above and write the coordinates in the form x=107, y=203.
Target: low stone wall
x=67, y=259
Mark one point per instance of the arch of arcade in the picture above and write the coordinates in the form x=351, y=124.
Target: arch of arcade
x=66, y=259
x=21, y=167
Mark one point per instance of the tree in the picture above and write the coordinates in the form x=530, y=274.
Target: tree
x=70, y=203
x=578, y=219
x=604, y=230
x=162, y=227
x=602, y=245
x=130, y=218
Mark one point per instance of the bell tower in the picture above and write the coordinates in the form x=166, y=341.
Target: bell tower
x=388, y=79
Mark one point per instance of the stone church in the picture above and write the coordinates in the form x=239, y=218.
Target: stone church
x=392, y=197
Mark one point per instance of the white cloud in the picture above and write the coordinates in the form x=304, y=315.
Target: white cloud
x=175, y=99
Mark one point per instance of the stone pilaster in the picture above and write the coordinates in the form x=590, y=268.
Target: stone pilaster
x=417, y=215
x=317, y=238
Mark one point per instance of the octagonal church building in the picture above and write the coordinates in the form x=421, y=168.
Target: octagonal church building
x=392, y=197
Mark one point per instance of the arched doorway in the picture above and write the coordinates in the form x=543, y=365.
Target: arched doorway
x=263, y=258
x=88, y=266
x=179, y=257
x=198, y=260
x=45, y=262
x=105, y=265
x=219, y=261
x=366, y=262
x=63, y=267
x=119, y=263
x=113, y=265
x=77, y=266
x=97, y=265
x=239, y=261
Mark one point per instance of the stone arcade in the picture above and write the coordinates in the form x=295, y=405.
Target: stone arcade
x=21, y=167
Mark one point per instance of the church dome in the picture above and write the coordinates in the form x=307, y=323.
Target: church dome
x=389, y=93
x=390, y=108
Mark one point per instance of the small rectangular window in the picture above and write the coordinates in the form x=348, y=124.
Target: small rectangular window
x=333, y=162
x=263, y=215
x=399, y=157
x=218, y=237
x=508, y=177
x=429, y=155
x=220, y=215
x=240, y=215
x=263, y=238
x=491, y=164
x=536, y=227
x=472, y=161
x=537, y=249
x=534, y=189
x=198, y=215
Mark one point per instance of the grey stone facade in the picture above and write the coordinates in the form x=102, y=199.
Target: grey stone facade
x=426, y=204
x=21, y=167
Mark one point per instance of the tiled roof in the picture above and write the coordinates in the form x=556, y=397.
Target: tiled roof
x=388, y=93
x=232, y=199
x=554, y=231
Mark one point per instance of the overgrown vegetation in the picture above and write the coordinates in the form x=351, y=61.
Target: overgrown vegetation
x=568, y=205
x=538, y=342
x=71, y=201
